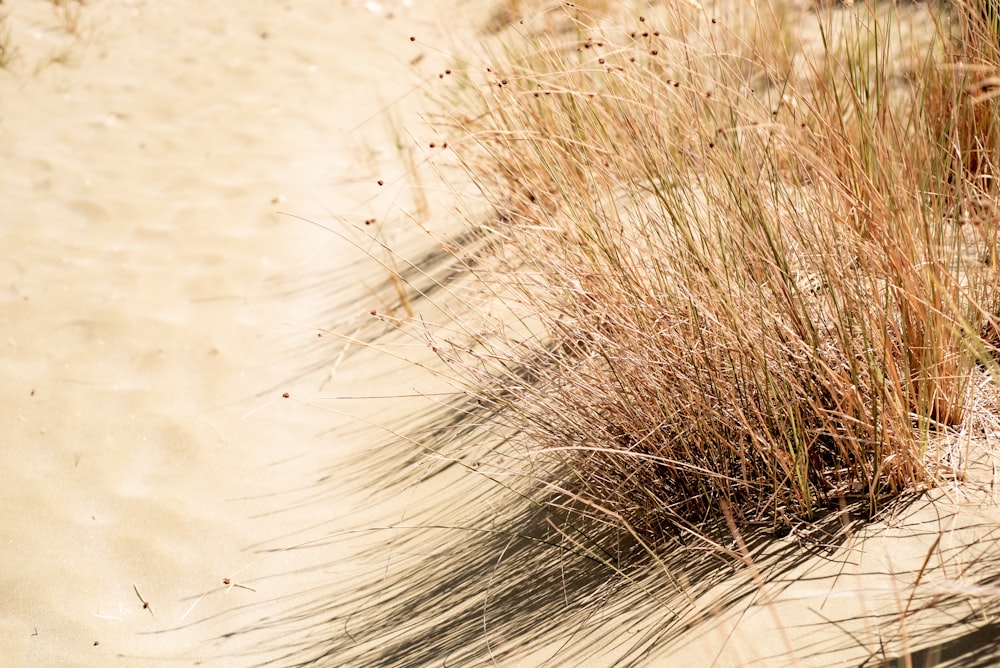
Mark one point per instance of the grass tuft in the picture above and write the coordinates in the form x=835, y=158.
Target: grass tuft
x=736, y=269
x=8, y=52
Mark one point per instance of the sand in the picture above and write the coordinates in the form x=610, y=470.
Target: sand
x=162, y=289
x=156, y=301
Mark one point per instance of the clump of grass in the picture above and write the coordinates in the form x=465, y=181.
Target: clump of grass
x=8, y=53
x=713, y=289
x=70, y=15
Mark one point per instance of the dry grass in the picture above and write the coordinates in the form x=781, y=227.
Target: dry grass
x=723, y=277
x=8, y=52
x=731, y=268
x=59, y=29
x=70, y=15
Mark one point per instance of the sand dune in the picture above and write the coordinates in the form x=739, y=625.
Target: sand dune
x=165, y=504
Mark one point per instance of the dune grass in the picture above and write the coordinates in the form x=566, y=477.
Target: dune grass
x=728, y=274
x=8, y=52
x=734, y=267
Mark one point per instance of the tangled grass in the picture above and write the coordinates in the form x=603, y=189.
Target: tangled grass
x=734, y=269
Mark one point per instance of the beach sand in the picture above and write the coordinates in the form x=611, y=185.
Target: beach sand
x=157, y=302
x=162, y=288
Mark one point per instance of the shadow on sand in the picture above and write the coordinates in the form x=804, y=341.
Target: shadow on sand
x=484, y=569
